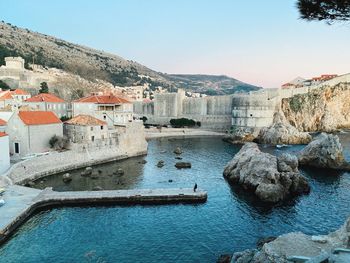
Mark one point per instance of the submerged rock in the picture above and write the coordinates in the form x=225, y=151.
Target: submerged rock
x=120, y=171
x=183, y=165
x=88, y=170
x=66, y=178
x=270, y=178
x=94, y=175
x=178, y=150
x=298, y=244
x=281, y=132
x=160, y=164
x=325, y=151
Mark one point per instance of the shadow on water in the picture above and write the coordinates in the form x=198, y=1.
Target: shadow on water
x=257, y=206
x=322, y=175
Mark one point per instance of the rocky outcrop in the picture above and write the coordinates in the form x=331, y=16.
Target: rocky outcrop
x=297, y=244
x=281, y=132
x=325, y=151
x=270, y=178
x=242, y=135
x=183, y=165
x=323, y=109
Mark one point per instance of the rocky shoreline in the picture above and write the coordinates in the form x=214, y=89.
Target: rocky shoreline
x=298, y=245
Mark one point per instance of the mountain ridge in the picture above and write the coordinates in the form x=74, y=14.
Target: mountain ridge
x=93, y=64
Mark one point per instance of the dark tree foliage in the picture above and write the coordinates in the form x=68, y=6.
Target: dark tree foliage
x=324, y=10
x=182, y=122
x=44, y=88
x=4, y=86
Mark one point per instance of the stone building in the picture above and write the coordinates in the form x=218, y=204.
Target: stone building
x=85, y=129
x=3, y=125
x=13, y=99
x=48, y=102
x=109, y=108
x=4, y=152
x=31, y=131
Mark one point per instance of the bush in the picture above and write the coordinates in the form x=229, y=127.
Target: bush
x=58, y=142
x=44, y=88
x=64, y=118
x=182, y=122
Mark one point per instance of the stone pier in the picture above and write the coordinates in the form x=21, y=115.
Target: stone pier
x=22, y=202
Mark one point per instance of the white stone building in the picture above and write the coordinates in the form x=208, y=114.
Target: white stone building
x=31, y=131
x=85, y=129
x=109, y=108
x=3, y=125
x=13, y=99
x=4, y=152
x=48, y=102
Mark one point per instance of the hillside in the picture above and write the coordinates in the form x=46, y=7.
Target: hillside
x=211, y=84
x=93, y=64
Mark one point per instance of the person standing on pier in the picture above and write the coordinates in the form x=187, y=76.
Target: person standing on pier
x=195, y=187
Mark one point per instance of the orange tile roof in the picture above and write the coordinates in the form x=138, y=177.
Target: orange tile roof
x=38, y=117
x=5, y=95
x=2, y=134
x=103, y=99
x=85, y=120
x=2, y=122
x=45, y=97
x=19, y=92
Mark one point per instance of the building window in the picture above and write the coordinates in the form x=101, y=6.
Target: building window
x=101, y=127
x=93, y=138
x=104, y=117
x=91, y=128
x=16, y=147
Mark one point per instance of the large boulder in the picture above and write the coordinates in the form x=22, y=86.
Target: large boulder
x=270, y=178
x=298, y=244
x=325, y=151
x=282, y=132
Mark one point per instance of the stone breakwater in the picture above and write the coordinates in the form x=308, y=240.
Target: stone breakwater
x=58, y=162
x=22, y=202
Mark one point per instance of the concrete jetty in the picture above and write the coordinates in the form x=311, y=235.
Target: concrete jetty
x=22, y=202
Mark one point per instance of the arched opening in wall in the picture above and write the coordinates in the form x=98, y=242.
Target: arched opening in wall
x=251, y=115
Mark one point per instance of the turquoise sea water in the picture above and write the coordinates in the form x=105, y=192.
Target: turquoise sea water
x=230, y=220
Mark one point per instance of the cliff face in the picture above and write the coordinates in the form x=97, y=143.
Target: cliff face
x=325, y=109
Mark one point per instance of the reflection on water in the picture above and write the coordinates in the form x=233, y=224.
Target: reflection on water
x=231, y=220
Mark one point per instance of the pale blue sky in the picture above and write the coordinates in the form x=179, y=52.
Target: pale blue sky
x=259, y=42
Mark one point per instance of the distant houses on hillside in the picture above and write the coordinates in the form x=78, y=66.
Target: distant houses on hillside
x=301, y=82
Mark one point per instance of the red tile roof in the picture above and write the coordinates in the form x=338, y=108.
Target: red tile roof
x=45, y=97
x=19, y=92
x=38, y=117
x=5, y=95
x=85, y=120
x=2, y=134
x=103, y=99
x=2, y=122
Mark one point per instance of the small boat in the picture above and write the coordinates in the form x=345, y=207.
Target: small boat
x=281, y=145
x=2, y=202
